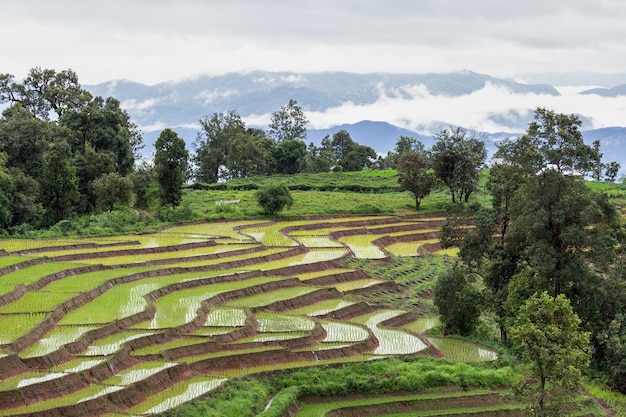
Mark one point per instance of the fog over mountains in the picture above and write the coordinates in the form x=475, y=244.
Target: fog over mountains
x=374, y=108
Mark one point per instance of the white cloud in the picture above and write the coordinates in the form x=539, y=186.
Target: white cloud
x=418, y=110
x=154, y=41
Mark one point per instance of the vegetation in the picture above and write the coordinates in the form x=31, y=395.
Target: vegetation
x=546, y=332
x=532, y=236
x=274, y=198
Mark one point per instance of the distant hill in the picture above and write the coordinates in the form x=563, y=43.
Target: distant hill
x=255, y=95
x=620, y=90
x=184, y=102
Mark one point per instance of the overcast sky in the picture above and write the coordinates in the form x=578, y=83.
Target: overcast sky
x=158, y=40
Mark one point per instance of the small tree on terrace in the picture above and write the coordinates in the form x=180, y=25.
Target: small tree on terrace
x=413, y=175
x=457, y=160
x=289, y=123
x=546, y=333
x=170, y=163
x=274, y=198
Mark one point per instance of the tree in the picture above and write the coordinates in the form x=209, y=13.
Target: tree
x=145, y=186
x=112, y=189
x=563, y=230
x=289, y=123
x=290, y=156
x=613, y=340
x=458, y=301
x=7, y=188
x=612, y=168
x=414, y=176
x=457, y=161
x=45, y=90
x=274, y=198
x=546, y=333
x=552, y=140
x=59, y=184
x=596, y=161
x=108, y=129
x=24, y=139
x=212, y=144
x=170, y=163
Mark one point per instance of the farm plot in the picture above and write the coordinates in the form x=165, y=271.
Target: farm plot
x=140, y=325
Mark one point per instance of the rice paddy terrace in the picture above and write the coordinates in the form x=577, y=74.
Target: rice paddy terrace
x=135, y=325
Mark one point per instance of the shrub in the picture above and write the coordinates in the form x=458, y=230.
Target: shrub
x=274, y=198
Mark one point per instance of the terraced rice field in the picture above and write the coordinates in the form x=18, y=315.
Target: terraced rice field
x=134, y=325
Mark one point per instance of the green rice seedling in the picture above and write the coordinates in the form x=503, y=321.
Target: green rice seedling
x=54, y=339
x=271, y=235
x=363, y=247
x=92, y=391
x=233, y=352
x=458, y=350
x=222, y=316
x=37, y=302
x=317, y=241
x=190, y=264
x=322, y=307
x=354, y=285
x=276, y=322
x=322, y=273
x=176, y=257
x=226, y=317
x=338, y=332
x=214, y=229
x=173, y=344
x=408, y=248
x=212, y=331
x=391, y=342
x=32, y=274
x=88, y=281
x=320, y=255
x=27, y=378
x=422, y=324
x=271, y=297
x=12, y=260
x=178, y=394
x=109, y=345
x=137, y=373
x=14, y=326
x=180, y=307
x=272, y=337
x=120, y=301
x=77, y=365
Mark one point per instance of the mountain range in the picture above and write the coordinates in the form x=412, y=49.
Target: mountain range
x=375, y=108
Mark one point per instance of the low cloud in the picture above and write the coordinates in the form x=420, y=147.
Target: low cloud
x=491, y=109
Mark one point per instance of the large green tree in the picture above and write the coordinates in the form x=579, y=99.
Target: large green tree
x=457, y=160
x=458, y=300
x=414, y=175
x=289, y=123
x=107, y=128
x=59, y=184
x=170, y=163
x=44, y=91
x=218, y=135
x=546, y=333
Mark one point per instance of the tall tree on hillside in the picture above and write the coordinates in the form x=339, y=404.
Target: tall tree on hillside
x=212, y=144
x=414, y=175
x=170, y=163
x=59, y=184
x=108, y=129
x=457, y=160
x=546, y=332
x=289, y=123
x=45, y=90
